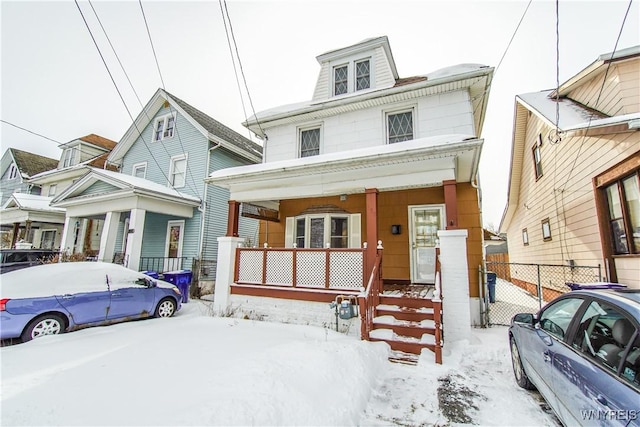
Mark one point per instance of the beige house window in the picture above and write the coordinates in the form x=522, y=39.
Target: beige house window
x=537, y=158
x=525, y=237
x=546, y=230
x=623, y=199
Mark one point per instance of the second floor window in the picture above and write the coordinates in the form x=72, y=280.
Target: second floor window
x=52, y=190
x=178, y=171
x=537, y=159
x=340, y=80
x=400, y=127
x=309, y=142
x=164, y=127
x=139, y=170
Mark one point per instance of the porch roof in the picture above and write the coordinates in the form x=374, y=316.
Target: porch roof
x=423, y=162
x=121, y=192
x=22, y=207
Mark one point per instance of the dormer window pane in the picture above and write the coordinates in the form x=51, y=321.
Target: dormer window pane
x=400, y=127
x=69, y=157
x=168, y=133
x=157, y=136
x=363, y=75
x=310, y=142
x=340, y=80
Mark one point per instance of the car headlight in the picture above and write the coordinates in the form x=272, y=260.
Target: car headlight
x=176, y=290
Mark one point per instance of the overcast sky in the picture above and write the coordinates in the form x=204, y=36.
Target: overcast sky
x=55, y=84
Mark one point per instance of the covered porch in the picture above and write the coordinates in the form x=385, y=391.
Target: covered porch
x=28, y=220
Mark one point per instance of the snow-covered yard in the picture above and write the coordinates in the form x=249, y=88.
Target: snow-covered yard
x=195, y=369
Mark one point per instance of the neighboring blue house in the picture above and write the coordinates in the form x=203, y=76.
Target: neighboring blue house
x=158, y=214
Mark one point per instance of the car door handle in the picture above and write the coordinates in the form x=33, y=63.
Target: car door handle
x=116, y=294
x=602, y=400
x=547, y=356
x=68, y=297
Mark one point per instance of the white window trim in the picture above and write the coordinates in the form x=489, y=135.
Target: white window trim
x=52, y=190
x=45, y=231
x=170, y=224
x=353, y=224
x=165, y=120
x=399, y=110
x=172, y=162
x=72, y=157
x=13, y=171
x=139, y=166
x=306, y=128
x=351, y=74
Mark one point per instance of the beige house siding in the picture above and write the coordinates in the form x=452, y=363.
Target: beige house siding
x=565, y=195
x=621, y=93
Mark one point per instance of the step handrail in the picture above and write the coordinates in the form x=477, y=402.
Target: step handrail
x=369, y=299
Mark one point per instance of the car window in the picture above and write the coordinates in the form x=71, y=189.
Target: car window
x=556, y=318
x=604, y=333
x=16, y=257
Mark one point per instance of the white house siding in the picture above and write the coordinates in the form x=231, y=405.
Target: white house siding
x=442, y=114
x=565, y=195
x=620, y=93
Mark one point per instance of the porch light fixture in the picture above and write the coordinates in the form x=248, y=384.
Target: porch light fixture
x=343, y=197
x=396, y=229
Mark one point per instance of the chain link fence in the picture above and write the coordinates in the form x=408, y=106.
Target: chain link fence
x=512, y=288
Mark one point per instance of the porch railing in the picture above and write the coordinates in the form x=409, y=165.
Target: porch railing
x=162, y=264
x=370, y=298
x=300, y=268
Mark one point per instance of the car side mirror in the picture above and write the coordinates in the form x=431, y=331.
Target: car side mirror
x=527, y=318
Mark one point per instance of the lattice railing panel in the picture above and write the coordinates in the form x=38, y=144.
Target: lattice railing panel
x=345, y=270
x=311, y=267
x=280, y=268
x=250, y=267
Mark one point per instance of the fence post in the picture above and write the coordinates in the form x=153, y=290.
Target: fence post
x=539, y=287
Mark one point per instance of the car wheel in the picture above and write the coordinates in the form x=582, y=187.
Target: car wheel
x=518, y=369
x=49, y=324
x=166, y=308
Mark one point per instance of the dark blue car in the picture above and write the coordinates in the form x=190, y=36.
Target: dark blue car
x=582, y=353
x=54, y=298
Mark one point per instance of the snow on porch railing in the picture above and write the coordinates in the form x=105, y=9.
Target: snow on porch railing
x=328, y=268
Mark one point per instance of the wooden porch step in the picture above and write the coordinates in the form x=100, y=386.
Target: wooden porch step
x=404, y=301
x=404, y=327
x=405, y=358
x=404, y=313
x=405, y=346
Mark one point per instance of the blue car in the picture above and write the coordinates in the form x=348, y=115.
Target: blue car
x=55, y=298
x=582, y=353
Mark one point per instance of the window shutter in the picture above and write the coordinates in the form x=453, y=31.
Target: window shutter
x=289, y=232
x=354, y=231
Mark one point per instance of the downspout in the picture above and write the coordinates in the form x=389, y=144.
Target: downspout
x=203, y=207
x=481, y=277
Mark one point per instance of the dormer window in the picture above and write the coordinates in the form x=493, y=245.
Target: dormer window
x=352, y=77
x=69, y=158
x=363, y=75
x=341, y=79
x=164, y=127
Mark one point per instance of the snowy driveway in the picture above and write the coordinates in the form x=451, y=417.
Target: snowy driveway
x=195, y=369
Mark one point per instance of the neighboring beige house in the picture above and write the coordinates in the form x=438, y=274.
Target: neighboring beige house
x=371, y=157
x=573, y=190
x=39, y=224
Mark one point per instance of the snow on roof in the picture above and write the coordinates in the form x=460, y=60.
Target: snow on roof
x=143, y=184
x=571, y=113
x=455, y=70
x=31, y=201
x=379, y=150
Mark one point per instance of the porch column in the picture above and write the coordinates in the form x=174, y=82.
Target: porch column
x=451, y=204
x=27, y=231
x=134, y=241
x=232, y=219
x=371, y=202
x=456, y=305
x=108, y=237
x=14, y=236
x=68, y=234
x=225, y=269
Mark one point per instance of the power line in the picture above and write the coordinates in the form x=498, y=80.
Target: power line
x=513, y=36
x=32, y=132
x=241, y=68
x=151, y=42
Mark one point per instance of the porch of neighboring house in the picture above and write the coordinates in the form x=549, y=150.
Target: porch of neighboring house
x=29, y=222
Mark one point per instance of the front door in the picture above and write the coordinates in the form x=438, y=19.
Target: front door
x=424, y=223
x=173, y=251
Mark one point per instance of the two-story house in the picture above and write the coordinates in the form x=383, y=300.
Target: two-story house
x=574, y=196
x=371, y=157
x=156, y=213
x=23, y=212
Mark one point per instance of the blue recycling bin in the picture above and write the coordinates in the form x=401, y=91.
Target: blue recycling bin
x=151, y=273
x=491, y=284
x=180, y=278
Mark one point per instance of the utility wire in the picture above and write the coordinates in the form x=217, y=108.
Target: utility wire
x=235, y=70
x=513, y=36
x=241, y=68
x=32, y=132
x=171, y=111
x=118, y=90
